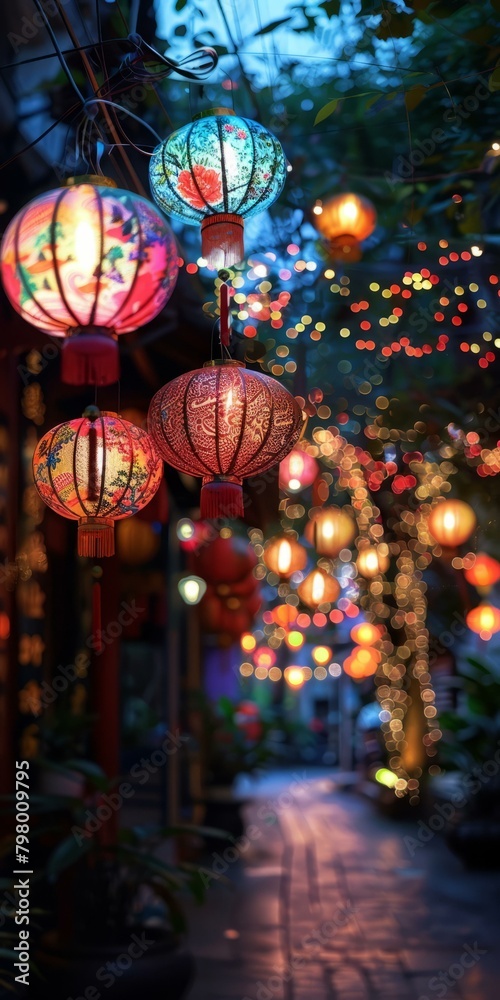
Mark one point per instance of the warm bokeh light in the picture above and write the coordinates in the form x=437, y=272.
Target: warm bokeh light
x=373, y=560
x=365, y=634
x=318, y=588
x=451, y=522
x=334, y=530
x=192, y=589
x=284, y=555
x=294, y=676
x=294, y=639
x=321, y=655
x=485, y=620
x=264, y=657
x=297, y=471
x=248, y=642
x=484, y=573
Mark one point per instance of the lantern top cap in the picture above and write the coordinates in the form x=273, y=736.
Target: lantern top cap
x=213, y=111
x=224, y=361
x=92, y=412
x=98, y=180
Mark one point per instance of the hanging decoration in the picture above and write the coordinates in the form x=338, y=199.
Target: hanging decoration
x=284, y=556
x=451, y=522
x=334, y=530
x=319, y=587
x=217, y=171
x=96, y=470
x=484, y=573
x=87, y=262
x=373, y=560
x=223, y=423
x=297, y=471
x=345, y=220
x=485, y=620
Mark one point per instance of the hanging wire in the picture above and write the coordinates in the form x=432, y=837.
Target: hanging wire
x=59, y=54
x=34, y=142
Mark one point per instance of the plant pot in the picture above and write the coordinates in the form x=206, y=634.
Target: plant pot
x=146, y=963
x=476, y=841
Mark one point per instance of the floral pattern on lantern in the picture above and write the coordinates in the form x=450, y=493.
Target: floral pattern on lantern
x=297, y=471
x=225, y=424
x=217, y=171
x=451, y=522
x=91, y=260
x=96, y=469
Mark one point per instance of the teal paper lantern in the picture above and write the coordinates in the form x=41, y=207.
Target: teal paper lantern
x=217, y=171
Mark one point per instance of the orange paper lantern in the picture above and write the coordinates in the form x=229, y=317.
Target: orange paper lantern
x=484, y=573
x=366, y=634
x=345, y=220
x=284, y=556
x=485, y=620
x=451, y=522
x=297, y=471
x=318, y=588
x=373, y=560
x=334, y=530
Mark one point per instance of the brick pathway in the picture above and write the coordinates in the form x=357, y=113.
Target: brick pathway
x=326, y=903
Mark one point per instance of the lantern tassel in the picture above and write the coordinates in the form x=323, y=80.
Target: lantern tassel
x=222, y=240
x=221, y=499
x=90, y=357
x=96, y=537
x=96, y=616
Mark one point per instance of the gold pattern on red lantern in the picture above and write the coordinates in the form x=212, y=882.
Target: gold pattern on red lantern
x=224, y=423
x=451, y=522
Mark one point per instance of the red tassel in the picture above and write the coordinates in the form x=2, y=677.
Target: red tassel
x=90, y=358
x=222, y=240
x=96, y=617
x=221, y=499
x=96, y=537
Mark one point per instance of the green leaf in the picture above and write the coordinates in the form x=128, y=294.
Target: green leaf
x=414, y=96
x=180, y=4
x=330, y=7
x=326, y=111
x=272, y=26
x=494, y=81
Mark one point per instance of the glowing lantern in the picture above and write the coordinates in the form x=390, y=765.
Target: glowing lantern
x=485, y=620
x=217, y=171
x=87, y=262
x=285, y=614
x=284, y=556
x=318, y=588
x=366, y=634
x=96, y=470
x=345, y=220
x=294, y=677
x=192, y=589
x=451, y=522
x=223, y=423
x=373, y=560
x=334, y=530
x=297, y=471
x=484, y=573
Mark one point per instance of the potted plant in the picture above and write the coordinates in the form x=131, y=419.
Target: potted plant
x=471, y=747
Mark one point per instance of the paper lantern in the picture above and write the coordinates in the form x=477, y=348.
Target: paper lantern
x=318, y=588
x=96, y=470
x=334, y=530
x=297, y=471
x=225, y=560
x=366, y=634
x=225, y=424
x=87, y=262
x=345, y=220
x=484, y=573
x=373, y=560
x=218, y=171
x=284, y=555
x=451, y=522
x=191, y=589
x=485, y=620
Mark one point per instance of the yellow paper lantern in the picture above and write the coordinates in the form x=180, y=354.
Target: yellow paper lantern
x=284, y=556
x=451, y=522
x=334, y=530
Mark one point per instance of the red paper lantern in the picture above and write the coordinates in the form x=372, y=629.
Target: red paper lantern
x=297, y=471
x=225, y=424
x=484, y=573
x=225, y=560
x=96, y=470
x=485, y=620
x=86, y=262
